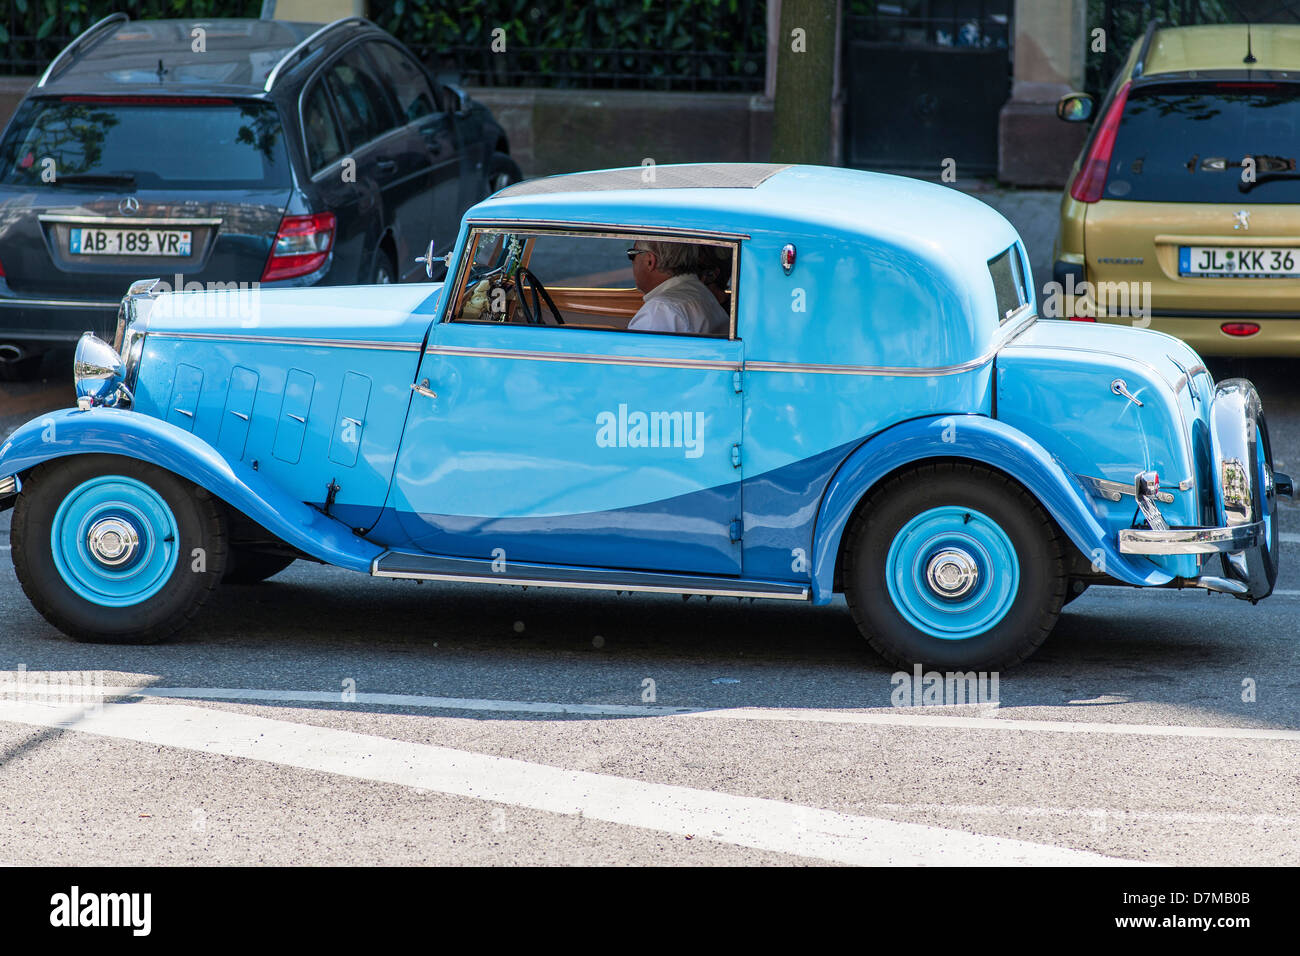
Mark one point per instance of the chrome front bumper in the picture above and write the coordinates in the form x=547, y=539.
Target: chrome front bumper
x=1191, y=540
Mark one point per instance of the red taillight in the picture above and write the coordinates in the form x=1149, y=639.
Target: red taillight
x=301, y=246
x=1082, y=318
x=1240, y=328
x=2, y=270
x=1087, y=186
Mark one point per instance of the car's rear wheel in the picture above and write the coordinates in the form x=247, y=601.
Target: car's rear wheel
x=502, y=172
x=253, y=567
x=114, y=550
x=954, y=565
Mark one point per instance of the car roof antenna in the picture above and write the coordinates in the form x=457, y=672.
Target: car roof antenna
x=1250, y=56
x=161, y=71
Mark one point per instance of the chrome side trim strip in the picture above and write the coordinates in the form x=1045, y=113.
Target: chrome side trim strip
x=77, y=43
x=284, y=340
x=60, y=303
x=801, y=595
x=1190, y=540
x=901, y=371
x=127, y=221
x=582, y=358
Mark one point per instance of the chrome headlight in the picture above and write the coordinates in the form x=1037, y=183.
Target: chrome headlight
x=99, y=374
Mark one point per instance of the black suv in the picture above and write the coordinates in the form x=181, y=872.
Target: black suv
x=226, y=151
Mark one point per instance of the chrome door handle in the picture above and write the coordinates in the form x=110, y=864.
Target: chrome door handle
x=422, y=388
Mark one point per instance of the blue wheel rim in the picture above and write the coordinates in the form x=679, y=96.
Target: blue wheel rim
x=977, y=543
x=122, y=503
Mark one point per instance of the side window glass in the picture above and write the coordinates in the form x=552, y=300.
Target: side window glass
x=363, y=107
x=597, y=282
x=405, y=79
x=320, y=130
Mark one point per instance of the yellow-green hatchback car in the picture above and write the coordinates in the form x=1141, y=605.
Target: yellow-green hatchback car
x=1183, y=209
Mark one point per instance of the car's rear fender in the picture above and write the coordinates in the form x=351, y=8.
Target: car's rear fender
x=979, y=439
x=117, y=432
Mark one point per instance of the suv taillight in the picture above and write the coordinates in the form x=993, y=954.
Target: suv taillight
x=1087, y=186
x=301, y=246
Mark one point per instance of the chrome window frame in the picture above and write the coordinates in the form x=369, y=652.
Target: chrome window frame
x=598, y=231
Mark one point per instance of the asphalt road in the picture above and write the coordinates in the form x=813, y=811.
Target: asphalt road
x=324, y=717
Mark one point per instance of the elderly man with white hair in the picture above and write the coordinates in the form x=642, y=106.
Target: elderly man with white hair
x=675, y=298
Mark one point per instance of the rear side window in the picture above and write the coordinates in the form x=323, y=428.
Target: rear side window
x=210, y=143
x=405, y=78
x=1008, y=282
x=1186, y=143
x=322, y=133
x=363, y=107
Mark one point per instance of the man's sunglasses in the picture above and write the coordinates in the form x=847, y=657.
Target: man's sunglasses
x=633, y=253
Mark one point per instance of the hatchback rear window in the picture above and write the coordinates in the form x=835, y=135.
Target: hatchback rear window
x=1186, y=143
x=150, y=143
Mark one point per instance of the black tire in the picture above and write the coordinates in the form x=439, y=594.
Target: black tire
x=253, y=567
x=1037, y=543
x=24, y=370
x=200, y=524
x=502, y=172
x=384, y=272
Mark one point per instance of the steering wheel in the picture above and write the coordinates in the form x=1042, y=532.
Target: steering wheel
x=533, y=313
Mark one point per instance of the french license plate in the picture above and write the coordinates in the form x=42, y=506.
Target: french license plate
x=1244, y=262
x=129, y=242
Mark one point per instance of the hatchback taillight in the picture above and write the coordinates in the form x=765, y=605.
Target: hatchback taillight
x=301, y=246
x=1087, y=186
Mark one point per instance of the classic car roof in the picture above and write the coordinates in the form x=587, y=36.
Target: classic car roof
x=799, y=200
x=1223, y=47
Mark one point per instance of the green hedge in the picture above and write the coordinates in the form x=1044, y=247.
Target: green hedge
x=711, y=44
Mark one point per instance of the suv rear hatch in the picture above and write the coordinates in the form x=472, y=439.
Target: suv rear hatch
x=96, y=191
x=1200, y=200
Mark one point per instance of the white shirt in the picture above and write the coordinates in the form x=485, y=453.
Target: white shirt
x=681, y=304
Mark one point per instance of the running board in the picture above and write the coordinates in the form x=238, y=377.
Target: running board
x=427, y=567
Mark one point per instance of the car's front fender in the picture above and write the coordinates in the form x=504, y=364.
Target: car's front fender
x=117, y=432
x=990, y=442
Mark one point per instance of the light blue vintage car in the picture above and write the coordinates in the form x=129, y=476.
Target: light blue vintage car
x=879, y=414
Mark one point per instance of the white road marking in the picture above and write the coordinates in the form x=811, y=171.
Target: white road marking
x=1094, y=813
x=1290, y=537
x=760, y=824
x=32, y=686
x=913, y=719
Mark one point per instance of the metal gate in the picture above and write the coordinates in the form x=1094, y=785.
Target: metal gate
x=925, y=81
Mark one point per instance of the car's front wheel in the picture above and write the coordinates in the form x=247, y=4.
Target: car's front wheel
x=955, y=566
x=114, y=550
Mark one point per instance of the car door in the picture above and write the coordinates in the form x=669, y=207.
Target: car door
x=375, y=143
x=574, y=445
x=431, y=144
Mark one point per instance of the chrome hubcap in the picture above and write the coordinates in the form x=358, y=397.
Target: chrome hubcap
x=112, y=542
x=952, y=573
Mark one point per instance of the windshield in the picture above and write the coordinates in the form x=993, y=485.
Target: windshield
x=149, y=143
x=1186, y=143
